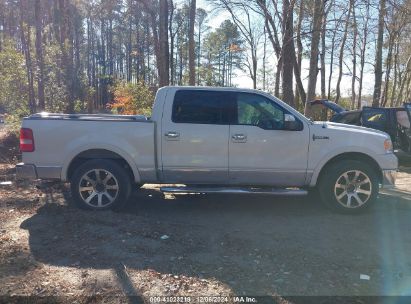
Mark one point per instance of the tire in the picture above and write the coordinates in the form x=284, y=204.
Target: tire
x=348, y=186
x=110, y=191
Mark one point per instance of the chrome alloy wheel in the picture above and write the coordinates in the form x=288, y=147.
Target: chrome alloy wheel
x=98, y=188
x=353, y=189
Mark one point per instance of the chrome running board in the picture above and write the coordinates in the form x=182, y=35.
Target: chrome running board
x=235, y=190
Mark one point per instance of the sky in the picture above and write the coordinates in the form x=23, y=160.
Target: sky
x=243, y=79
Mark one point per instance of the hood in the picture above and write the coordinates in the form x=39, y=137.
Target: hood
x=345, y=127
x=328, y=104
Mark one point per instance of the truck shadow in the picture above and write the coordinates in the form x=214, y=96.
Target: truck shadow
x=253, y=244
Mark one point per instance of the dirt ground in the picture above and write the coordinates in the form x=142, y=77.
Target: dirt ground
x=196, y=245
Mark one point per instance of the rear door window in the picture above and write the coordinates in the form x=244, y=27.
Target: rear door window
x=201, y=107
x=375, y=118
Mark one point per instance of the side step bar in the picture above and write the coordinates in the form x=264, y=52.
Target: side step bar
x=236, y=190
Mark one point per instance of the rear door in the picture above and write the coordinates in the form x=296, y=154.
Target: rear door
x=383, y=119
x=195, y=130
x=262, y=152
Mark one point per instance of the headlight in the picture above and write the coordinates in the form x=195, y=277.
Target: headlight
x=388, y=145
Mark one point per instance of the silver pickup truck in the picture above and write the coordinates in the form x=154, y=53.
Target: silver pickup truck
x=212, y=140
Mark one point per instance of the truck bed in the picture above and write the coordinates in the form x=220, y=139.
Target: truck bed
x=59, y=138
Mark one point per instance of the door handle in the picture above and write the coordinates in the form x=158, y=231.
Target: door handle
x=239, y=137
x=172, y=135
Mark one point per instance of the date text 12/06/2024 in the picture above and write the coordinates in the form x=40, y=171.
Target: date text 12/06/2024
x=202, y=299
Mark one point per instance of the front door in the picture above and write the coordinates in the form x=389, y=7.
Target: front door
x=195, y=139
x=261, y=151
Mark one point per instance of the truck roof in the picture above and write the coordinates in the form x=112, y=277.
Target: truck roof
x=206, y=88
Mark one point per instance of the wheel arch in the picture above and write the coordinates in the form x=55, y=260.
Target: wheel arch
x=347, y=156
x=100, y=153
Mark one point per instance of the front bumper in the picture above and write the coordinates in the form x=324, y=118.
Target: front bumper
x=388, y=163
x=24, y=171
x=388, y=179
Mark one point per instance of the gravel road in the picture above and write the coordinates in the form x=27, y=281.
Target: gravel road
x=255, y=245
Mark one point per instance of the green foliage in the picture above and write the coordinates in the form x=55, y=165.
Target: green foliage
x=345, y=102
x=13, y=123
x=132, y=98
x=55, y=89
x=224, y=52
x=80, y=106
x=13, y=81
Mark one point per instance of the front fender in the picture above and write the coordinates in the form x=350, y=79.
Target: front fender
x=320, y=163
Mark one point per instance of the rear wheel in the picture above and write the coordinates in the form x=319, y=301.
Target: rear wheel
x=349, y=186
x=100, y=184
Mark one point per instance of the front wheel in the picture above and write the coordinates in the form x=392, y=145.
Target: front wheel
x=349, y=186
x=100, y=184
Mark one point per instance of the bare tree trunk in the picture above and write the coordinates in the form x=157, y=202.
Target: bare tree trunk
x=191, y=45
x=201, y=18
x=299, y=83
x=88, y=50
x=129, y=48
x=278, y=77
x=110, y=46
x=315, y=41
x=172, y=37
x=253, y=69
x=341, y=56
x=264, y=58
x=297, y=63
x=287, y=50
x=363, y=49
x=297, y=67
x=25, y=42
x=394, y=86
x=163, y=45
x=77, y=24
x=331, y=65
x=378, y=56
x=322, y=55
x=384, y=97
x=65, y=43
x=273, y=37
x=39, y=54
x=354, y=59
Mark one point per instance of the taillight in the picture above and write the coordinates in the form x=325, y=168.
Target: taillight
x=26, y=140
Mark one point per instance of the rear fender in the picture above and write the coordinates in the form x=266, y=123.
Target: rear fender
x=102, y=146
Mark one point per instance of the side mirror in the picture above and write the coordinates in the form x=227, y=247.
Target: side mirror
x=291, y=123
